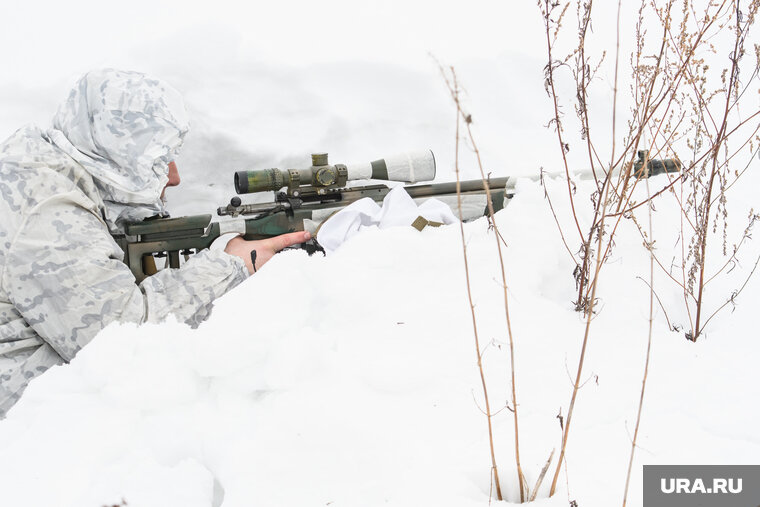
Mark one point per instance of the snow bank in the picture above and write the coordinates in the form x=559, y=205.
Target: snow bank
x=352, y=380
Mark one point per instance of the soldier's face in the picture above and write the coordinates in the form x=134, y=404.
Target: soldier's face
x=174, y=179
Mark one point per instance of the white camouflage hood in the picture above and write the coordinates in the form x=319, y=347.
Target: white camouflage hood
x=123, y=128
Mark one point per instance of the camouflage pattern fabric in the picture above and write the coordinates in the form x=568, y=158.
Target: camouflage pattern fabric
x=62, y=278
x=123, y=128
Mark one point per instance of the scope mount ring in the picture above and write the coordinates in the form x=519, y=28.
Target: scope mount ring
x=294, y=179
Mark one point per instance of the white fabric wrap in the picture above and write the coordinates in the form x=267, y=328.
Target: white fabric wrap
x=411, y=167
x=359, y=171
x=398, y=209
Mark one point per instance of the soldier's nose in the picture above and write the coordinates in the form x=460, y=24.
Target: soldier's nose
x=174, y=179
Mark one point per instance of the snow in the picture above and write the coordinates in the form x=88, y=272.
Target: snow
x=352, y=379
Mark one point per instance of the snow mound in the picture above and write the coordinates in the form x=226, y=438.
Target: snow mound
x=351, y=380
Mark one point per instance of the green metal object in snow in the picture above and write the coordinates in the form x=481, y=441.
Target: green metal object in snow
x=645, y=167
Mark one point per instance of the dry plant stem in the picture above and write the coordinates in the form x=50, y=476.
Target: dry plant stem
x=497, y=237
x=557, y=120
x=541, y=476
x=495, y=469
x=694, y=163
x=665, y=313
x=721, y=137
x=732, y=259
x=649, y=350
x=623, y=176
x=745, y=144
x=576, y=385
x=735, y=293
x=556, y=220
x=562, y=146
x=650, y=110
x=489, y=200
x=684, y=275
x=595, y=280
x=584, y=302
x=582, y=68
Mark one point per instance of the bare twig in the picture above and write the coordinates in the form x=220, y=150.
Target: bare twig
x=594, y=285
x=461, y=114
x=541, y=476
x=454, y=87
x=646, y=364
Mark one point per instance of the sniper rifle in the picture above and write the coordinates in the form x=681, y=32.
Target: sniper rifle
x=310, y=196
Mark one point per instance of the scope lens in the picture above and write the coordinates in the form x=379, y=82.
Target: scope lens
x=248, y=182
x=241, y=182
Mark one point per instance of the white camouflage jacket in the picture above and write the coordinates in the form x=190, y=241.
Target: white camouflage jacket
x=62, y=279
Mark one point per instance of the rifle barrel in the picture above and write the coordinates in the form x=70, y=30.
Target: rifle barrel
x=450, y=187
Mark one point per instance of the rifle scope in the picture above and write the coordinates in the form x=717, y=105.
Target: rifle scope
x=409, y=167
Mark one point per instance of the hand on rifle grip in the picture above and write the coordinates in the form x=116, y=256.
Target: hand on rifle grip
x=265, y=248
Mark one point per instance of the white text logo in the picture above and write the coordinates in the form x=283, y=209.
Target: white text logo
x=698, y=486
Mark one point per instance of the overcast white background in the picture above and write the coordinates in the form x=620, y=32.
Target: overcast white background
x=271, y=81
x=350, y=380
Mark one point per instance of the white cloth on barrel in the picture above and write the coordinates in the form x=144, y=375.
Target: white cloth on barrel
x=398, y=209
